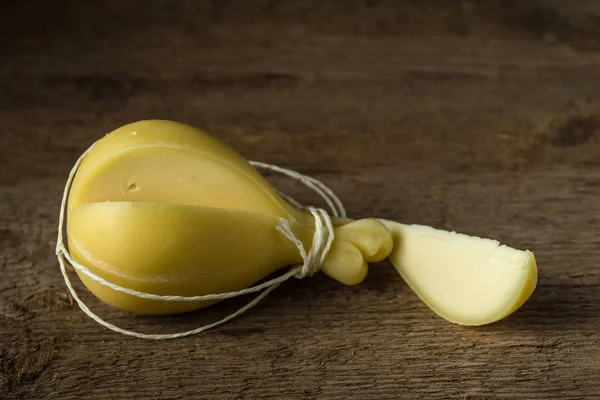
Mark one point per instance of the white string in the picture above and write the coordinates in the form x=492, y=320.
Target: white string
x=311, y=261
x=334, y=203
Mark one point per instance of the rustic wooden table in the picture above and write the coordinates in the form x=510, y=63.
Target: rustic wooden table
x=481, y=117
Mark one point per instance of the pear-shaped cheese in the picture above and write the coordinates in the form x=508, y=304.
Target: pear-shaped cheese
x=163, y=208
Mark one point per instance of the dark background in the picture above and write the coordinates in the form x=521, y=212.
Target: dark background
x=476, y=116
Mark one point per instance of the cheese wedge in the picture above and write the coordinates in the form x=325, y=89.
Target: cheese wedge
x=466, y=280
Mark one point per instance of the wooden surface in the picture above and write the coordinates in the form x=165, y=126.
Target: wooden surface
x=480, y=117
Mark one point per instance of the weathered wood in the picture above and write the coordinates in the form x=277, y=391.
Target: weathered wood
x=482, y=117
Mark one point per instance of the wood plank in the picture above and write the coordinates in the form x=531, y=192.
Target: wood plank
x=480, y=117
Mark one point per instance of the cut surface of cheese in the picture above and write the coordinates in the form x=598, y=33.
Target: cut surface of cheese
x=168, y=162
x=466, y=280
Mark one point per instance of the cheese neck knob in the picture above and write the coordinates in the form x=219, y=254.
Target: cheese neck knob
x=357, y=243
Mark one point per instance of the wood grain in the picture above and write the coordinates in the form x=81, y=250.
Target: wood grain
x=481, y=117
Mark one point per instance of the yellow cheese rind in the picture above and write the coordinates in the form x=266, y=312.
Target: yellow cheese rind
x=170, y=249
x=466, y=280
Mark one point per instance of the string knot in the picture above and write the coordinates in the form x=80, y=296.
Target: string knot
x=321, y=243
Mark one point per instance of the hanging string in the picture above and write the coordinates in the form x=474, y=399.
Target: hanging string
x=311, y=260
